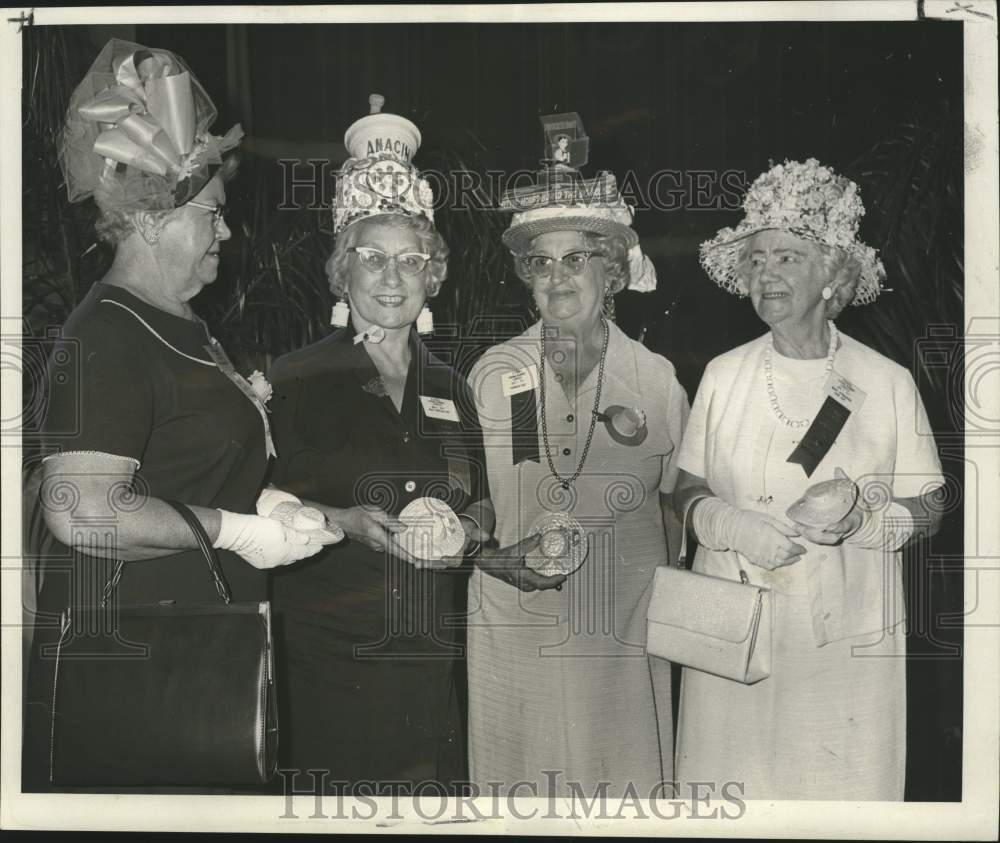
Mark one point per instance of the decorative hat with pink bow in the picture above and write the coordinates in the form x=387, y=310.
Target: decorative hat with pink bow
x=136, y=135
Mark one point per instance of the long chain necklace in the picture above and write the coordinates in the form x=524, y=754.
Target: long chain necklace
x=772, y=396
x=566, y=482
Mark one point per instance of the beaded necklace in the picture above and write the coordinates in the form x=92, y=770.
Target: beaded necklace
x=772, y=396
x=566, y=482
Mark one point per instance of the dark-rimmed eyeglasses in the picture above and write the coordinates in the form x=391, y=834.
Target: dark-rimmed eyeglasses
x=574, y=263
x=375, y=260
x=218, y=211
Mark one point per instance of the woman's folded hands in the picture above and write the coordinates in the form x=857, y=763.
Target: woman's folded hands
x=876, y=523
x=508, y=564
x=836, y=533
x=263, y=542
x=762, y=539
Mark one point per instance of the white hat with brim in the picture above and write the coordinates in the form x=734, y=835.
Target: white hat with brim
x=805, y=199
x=594, y=219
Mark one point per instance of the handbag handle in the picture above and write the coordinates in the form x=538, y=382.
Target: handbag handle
x=204, y=544
x=682, y=559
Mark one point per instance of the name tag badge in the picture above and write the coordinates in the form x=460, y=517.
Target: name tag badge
x=439, y=408
x=521, y=380
x=841, y=398
x=841, y=389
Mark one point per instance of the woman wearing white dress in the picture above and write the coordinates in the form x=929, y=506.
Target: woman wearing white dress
x=830, y=720
x=562, y=698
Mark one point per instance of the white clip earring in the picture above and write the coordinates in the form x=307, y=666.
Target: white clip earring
x=827, y=293
x=425, y=321
x=340, y=315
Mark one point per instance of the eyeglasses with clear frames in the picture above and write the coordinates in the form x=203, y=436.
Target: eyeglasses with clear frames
x=375, y=260
x=218, y=211
x=574, y=263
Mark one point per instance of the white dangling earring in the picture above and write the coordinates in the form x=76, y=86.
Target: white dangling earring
x=827, y=293
x=425, y=321
x=340, y=315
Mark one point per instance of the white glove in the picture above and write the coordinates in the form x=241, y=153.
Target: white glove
x=263, y=542
x=887, y=528
x=270, y=497
x=762, y=539
x=287, y=509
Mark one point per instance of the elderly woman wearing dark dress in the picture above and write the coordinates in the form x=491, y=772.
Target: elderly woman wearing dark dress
x=369, y=421
x=144, y=406
x=802, y=404
x=581, y=426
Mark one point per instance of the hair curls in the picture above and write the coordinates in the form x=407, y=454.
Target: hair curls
x=431, y=242
x=114, y=226
x=614, y=258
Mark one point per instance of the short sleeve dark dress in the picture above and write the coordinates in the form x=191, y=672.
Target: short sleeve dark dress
x=369, y=645
x=128, y=379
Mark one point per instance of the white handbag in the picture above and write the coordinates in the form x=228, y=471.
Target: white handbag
x=709, y=623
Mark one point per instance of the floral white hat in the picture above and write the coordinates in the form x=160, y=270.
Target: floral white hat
x=805, y=199
x=379, y=177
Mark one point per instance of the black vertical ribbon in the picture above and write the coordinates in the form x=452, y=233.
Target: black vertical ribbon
x=524, y=427
x=819, y=438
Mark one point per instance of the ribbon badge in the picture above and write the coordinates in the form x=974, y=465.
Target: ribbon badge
x=626, y=425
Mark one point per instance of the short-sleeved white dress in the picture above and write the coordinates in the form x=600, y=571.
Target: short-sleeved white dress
x=830, y=720
x=562, y=697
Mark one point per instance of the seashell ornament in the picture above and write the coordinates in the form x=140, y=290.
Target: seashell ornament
x=825, y=503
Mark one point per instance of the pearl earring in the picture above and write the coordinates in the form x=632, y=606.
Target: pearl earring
x=425, y=321
x=340, y=315
x=827, y=293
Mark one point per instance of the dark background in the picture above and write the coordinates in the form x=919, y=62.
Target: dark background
x=879, y=102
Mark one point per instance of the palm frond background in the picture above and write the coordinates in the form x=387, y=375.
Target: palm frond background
x=913, y=186
x=272, y=295
x=482, y=301
x=61, y=259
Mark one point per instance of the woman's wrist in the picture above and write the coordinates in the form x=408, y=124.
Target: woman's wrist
x=714, y=522
x=343, y=518
x=888, y=528
x=211, y=520
x=473, y=549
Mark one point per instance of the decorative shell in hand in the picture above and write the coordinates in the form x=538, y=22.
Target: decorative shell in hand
x=432, y=530
x=562, y=545
x=825, y=503
x=312, y=522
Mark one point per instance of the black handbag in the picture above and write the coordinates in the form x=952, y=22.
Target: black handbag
x=165, y=694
